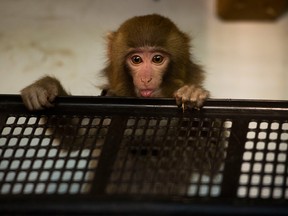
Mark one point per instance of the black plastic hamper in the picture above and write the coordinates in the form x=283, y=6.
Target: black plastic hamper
x=127, y=156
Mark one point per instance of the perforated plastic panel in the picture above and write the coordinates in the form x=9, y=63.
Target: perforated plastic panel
x=32, y=161
x=264, y=168
x=130, y=156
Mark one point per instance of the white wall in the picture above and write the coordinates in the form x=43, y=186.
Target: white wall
x=65, y=38
x=247, y=59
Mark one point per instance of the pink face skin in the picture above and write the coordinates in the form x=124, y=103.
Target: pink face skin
x=147, y=66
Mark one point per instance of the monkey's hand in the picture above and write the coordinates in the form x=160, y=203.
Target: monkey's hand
x=42, y=93
x=190, y=97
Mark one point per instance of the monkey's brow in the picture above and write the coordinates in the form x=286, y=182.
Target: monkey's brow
x=149, y=49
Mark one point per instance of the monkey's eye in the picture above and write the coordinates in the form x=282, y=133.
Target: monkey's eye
x=158, y=59
x=136, y=59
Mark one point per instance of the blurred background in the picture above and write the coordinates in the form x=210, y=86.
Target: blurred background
x=243, y=58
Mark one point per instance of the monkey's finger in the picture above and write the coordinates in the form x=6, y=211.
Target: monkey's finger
x=51, y=98
x=181, y=95
x=179, y=101
x=27, y=102
x=25, y=98
x=27, y=95
x=34, y=103
x=183, y=107
x=201, y=98
x=43, y=100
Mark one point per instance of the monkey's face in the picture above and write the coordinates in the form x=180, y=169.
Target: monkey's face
x=147, y=66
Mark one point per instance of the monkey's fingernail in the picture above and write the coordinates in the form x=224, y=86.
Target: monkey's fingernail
x=178, y=101
x=183, y=107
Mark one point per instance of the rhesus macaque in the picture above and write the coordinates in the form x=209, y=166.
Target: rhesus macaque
x=148, y=56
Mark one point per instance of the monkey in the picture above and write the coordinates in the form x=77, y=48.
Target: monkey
x=148, y=56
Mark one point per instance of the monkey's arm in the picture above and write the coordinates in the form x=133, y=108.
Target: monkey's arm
x=191, y=96
x=41, y=94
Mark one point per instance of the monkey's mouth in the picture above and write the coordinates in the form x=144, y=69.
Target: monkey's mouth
x=146, y=92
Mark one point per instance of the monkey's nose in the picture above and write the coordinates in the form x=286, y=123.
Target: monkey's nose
x=146, y=80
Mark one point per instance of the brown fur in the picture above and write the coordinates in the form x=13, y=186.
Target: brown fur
x=153, y=31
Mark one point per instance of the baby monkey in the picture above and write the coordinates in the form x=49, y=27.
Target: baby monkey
x=148, y=56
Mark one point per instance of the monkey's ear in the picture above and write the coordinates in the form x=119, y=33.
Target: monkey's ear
x=110, y=37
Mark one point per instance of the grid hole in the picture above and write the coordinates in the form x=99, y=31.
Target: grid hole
x=263, y=125
x=260, y=145
x=10, y=120
x=6, y=131
x=32, y=120
x=285, y=126
x=17, y=131
x=283, y=146
x=23, y=142
x=275, y=126
x=21, y=120
x=252, y=125
x=284, y=136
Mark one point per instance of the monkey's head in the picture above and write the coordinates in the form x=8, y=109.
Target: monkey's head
x=149, y=55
